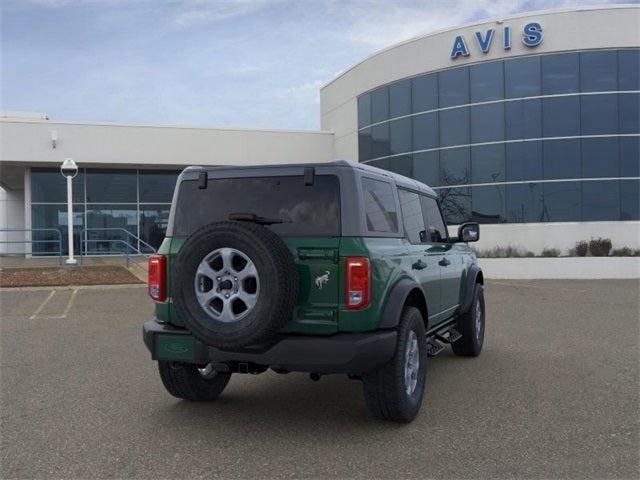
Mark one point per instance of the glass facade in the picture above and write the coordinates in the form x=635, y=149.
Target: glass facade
x=121, y=200
x=545, y=138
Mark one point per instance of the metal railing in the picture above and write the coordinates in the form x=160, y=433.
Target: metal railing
x=132, y=246
x=31, y=241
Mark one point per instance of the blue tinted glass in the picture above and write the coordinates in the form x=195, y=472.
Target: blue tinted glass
x=599, y=114
x=425, y=131
x=49, y=186
x=365, y=146
x=630, y=156
x=454, y=166
x=157, y=186
x=487, y=204
x=599, y=71
x=600, y=200
x=55, y=217
x=523, y=119
x=629, y=70
x=153, y=224
x=523, y=161
x=561, y=116
x=560, y=73
x=629, y=112
x=400, y=98
x=380, y=140
x=401, y=164
x=426, y=168
x=454, y=87
x=454, y=127
x=424, y=92
x=562, y=201
x=487, y=123
x=379, y=105
x=487, y=164
x=455, y=204
x=600, y=157
x=561, y=159
x=400, y=135
x=113, y=217
x=487, y=81
x=364, y=110
x=522, y=77
x=112, y=186
x=630, y=200
x=524, y=203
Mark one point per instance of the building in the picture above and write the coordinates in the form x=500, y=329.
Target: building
x=527, y=124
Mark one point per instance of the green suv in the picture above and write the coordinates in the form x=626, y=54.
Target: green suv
x=321, y=268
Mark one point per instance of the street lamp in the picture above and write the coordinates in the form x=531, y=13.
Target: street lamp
x=69, y=169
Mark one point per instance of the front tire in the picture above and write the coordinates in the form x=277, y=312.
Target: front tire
x=190, y=382
x=395, y=391
x=471, y=325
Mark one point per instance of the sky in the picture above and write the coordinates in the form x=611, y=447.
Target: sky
x=227, y=63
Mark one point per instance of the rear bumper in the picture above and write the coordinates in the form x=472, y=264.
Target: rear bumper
x=351, y=353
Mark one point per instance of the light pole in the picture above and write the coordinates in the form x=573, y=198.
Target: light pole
x=69, y=169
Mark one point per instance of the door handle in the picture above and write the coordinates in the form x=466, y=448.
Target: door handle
x=444, y=262
x=419, y=265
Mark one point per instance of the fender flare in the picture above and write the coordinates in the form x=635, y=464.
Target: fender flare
x=474, y=275
x=396, y=299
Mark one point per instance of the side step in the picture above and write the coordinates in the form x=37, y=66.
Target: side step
x=435, y=342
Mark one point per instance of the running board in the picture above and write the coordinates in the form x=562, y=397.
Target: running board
x=435, y=342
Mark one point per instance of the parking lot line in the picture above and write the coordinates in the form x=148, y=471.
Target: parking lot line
x=42, y=305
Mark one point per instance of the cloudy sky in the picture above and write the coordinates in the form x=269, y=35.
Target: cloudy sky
x=245, y=63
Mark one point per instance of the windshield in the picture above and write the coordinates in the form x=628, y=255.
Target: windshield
x=305, y=210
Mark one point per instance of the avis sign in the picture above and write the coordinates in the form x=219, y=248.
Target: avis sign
x=531, y=37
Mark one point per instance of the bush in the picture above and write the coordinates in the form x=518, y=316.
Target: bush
x=600, y=247
x=625, y=252
x=505, y=252
x=550, y=252
x=581, y=249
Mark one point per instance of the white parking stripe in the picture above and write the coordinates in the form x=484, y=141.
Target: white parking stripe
x=42, y=305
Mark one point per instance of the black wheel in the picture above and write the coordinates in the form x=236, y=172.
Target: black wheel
x=471, y=325
x=191, y=382
x=234, y=284
x=395, y=391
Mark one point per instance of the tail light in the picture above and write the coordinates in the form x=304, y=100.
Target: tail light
x=157, y=277
x=358, y=282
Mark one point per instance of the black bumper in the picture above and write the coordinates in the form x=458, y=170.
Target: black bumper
x=352, y=353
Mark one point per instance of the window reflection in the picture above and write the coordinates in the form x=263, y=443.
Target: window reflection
x=454, y=166
x=153, y=224
x=455, y=204
x=630, y=200
x=55, y=217
x=562, y=201
x=560, y=73
x=112, y=222
x=600, y=201
x=524, y=203
x=488, y=204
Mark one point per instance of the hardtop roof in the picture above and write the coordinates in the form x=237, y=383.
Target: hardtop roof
x=400, y=180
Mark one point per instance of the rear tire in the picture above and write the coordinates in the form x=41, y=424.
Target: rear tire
x=471, y=326
x=184, y=380
x=390, y=392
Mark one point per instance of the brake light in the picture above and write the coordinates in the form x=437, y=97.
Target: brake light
x=358, y=282
x=157, y=277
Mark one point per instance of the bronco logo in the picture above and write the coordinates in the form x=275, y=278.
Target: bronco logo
x=322, y=280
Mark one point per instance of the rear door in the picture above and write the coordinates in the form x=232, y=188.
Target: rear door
x=423, y=266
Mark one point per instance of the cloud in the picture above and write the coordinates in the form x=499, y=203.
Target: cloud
x=197, y=12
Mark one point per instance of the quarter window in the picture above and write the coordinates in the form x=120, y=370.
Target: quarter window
x=433, y=219
x=379, y=205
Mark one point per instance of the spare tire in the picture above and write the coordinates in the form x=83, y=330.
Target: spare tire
x=234, y=284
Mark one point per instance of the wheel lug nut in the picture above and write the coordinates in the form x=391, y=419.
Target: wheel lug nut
x=218, y=279
x=226, y=295
x=235, y=279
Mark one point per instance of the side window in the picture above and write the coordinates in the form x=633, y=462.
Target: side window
x=379, y=205
x=433, y=218
x=412, y=216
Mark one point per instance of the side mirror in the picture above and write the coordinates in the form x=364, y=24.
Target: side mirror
x=469, y=232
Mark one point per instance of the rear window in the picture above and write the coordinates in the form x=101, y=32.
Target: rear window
x=308, y=210
x=380, y=206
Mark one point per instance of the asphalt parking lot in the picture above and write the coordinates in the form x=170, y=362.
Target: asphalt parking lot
x=554, y=394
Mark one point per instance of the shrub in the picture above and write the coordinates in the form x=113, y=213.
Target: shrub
x=550, y=252
x=625, y=252
x=600, y=247
x=505, y=252
x=581, y=249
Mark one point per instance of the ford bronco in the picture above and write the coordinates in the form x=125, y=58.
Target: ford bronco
x=321, y=268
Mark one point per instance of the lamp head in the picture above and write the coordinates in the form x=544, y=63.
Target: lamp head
x=69, y=168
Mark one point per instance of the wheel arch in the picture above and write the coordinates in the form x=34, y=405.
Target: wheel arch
x=406, y=292
x=474, y=275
